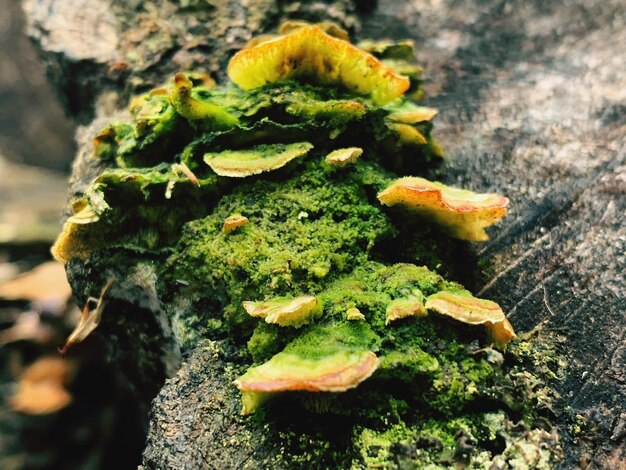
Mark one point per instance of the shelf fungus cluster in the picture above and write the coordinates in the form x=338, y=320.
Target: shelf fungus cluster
x=263, y=205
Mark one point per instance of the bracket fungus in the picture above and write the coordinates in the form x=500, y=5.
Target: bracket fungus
x=294, y=312
x=468, y=309
x=199, y=112
x=233, y=222
x=248, y=162
x=354, y=314
x=343, y=157
x=310, y=52
x=291, y=372
x=463, y=213
x=413, y=115
x=337, y=270
x=406, y=307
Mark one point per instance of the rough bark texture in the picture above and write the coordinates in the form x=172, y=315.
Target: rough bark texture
x=532, y=104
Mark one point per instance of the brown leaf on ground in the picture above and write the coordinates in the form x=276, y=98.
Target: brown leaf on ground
x=45, y=283
x=28, y=327
x=41, y=387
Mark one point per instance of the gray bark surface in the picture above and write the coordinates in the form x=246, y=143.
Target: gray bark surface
x=532, y=99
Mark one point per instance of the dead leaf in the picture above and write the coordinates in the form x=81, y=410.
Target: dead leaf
x=41, y=388
x=89, y=320
x=46, y=283
x=28, y=327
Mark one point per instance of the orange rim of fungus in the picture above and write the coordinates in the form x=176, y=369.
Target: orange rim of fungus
x=473, y=311
x=309, y=51
x=464, y=213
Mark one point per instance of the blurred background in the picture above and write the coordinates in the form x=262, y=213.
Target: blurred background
x=55, y=411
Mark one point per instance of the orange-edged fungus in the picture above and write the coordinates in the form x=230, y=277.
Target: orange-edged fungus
x=468, y=309
x=310, y=52
x=286, y=371
x=463, y=213
x=415, y=115
x=255, y=160
x=340, y=110
x=233, y=222
x=402, y=308
x=294, y=312
x=344, y=157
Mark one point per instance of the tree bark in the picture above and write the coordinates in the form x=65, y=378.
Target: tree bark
x=532, y=105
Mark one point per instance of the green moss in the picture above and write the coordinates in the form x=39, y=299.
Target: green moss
x=455, y=385
x=302, y=234
x=311, y=230
x=268, y=340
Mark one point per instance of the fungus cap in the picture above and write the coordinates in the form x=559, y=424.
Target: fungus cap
x=408, y=135
x=291, y=372
x=233, y=222
x=354, y=314
x=285, y=372
x=464, y=213
x=413, y=116
x=403, y=308
x=310, y=52
x=255, y=160
x=468, y=309
x=344, y=157
x=286, y=312
x=203, y=113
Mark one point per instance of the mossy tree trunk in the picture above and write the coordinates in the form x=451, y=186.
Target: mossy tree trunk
x=531, y=99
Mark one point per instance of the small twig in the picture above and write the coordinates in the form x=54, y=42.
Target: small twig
x=545, y=300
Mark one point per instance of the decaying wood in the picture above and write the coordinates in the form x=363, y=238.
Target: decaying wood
x=532, y=99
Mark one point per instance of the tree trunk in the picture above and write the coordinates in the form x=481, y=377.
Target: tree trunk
x=532, y=105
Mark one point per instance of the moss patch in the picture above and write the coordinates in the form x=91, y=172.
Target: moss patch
x=422, y=391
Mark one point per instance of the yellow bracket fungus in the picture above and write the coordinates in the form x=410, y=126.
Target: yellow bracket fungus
x=403, y=308
x=70, y=244
x=413, y=116
x=286, y=371
x=330, y=28
x=463, y=213
x=311, y=53
x=205, y=114
x=354, y=314
x=286, y=312
x=408, y=135
x=179, y=176
x=468, y=309
x=344, y=157
x=233, y=222
x=255, y=160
